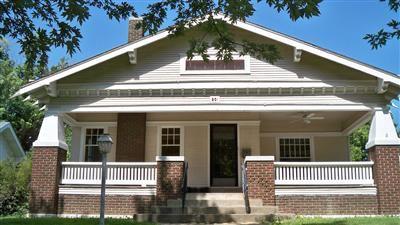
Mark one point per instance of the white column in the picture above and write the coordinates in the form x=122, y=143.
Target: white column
x=51, y=132
x=382, y=131
x=76, y=145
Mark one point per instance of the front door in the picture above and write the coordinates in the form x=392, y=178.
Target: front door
x=223, y=155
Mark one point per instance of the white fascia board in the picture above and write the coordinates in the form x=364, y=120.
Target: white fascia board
x=317, y=51
x=92, y=62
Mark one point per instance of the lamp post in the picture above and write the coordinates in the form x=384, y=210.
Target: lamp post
x=105, y=142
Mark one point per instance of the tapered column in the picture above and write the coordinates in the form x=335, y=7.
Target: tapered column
x=384, y=149
x=49, y=150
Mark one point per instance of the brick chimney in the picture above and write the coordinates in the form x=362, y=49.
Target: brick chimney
x=133, y=33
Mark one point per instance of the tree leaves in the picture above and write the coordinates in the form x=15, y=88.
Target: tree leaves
x=380, y=38
x=39, y=25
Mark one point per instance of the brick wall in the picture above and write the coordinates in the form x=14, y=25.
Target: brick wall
x=261, y=181
x=46, y=170
x=387, y=177
x=134, y=34
x=115, y=204
x=328, y=204
x=169, y=180
x=131, y=134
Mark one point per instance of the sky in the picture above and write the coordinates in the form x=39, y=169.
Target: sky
x=340, y=28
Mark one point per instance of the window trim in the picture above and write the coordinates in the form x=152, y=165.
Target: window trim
x=181, y=134
x=83, y=139
x=277, y=147
x=246, y=70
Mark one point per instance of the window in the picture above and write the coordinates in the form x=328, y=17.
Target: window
x=92, y=153
x=237, y=64
x=295, y=149
x=170, y=141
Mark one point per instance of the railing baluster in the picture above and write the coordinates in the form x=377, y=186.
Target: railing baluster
x=323, y=173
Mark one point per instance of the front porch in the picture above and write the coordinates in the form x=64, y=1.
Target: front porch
x=288, y=160
x=140, y=137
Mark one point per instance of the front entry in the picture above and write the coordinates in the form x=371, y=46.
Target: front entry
x=223, y=155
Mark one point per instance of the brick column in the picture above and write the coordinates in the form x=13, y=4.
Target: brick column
x=261, y=178
x=170, y=170
x=46, y=171
x=387, y=178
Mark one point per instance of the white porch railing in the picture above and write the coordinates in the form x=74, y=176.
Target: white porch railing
x=323, y=173
x=118, y=173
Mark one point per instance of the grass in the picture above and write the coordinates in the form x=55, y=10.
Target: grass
x=296, y=221
x=66, y=221
x=342, y=221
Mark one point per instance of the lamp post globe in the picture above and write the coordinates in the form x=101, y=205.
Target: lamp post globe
x=105, y=143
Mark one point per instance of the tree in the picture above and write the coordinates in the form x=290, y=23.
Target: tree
x=380, y=38
x=24, y=115
x=358, y=140
x=39, y=25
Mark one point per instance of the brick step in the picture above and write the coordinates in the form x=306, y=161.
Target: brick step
x=214, y=203
x=204, y=218
x=215, y=210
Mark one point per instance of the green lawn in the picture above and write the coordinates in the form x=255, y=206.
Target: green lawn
x=297, y=221
x=342, y=221
x=65, y=221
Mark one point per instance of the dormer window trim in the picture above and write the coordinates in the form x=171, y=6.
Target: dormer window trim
x=245, y=71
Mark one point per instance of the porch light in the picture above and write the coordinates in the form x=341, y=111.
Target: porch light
x=105, y=143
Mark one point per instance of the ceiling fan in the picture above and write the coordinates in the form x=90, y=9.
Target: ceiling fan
x=306, y=117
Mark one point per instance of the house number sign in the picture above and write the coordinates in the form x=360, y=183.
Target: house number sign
x=214, y=99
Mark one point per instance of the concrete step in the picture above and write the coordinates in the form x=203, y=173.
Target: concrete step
x=215, y=210
x=214, y=196
x=214, y=203
x=204, y=218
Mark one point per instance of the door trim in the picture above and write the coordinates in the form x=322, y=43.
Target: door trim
x=236, y=124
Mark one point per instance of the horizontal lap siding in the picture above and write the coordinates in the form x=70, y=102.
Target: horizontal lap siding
x=160, y=61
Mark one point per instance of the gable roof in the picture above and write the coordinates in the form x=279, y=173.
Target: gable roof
x=8, y=132
x=248, y=26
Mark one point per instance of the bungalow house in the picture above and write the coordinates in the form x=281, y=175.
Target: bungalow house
x=278, y=131
x=10, y=147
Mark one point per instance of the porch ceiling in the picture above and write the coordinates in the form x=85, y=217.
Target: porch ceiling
x=270, y=122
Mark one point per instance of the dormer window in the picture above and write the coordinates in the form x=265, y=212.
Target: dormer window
x=238, y=65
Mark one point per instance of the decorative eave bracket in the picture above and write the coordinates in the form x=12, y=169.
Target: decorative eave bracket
x=297, y=55
x=132, y=56
x=51, y=89
x=381, y=86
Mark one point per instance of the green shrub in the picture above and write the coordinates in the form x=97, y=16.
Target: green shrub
x=14, y=186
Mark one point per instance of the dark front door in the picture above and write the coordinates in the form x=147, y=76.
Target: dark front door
x=223, y=155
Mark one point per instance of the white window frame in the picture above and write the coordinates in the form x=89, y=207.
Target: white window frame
x=277, y=147
x=159, y=139
x=83, y=138
x=213, y=56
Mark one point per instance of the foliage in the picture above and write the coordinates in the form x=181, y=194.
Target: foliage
x=380, y=38
x=68, y=221
x=14, y=186
x=24, y=116
x=40, y=25
x=358, y=139
x=341, y=221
